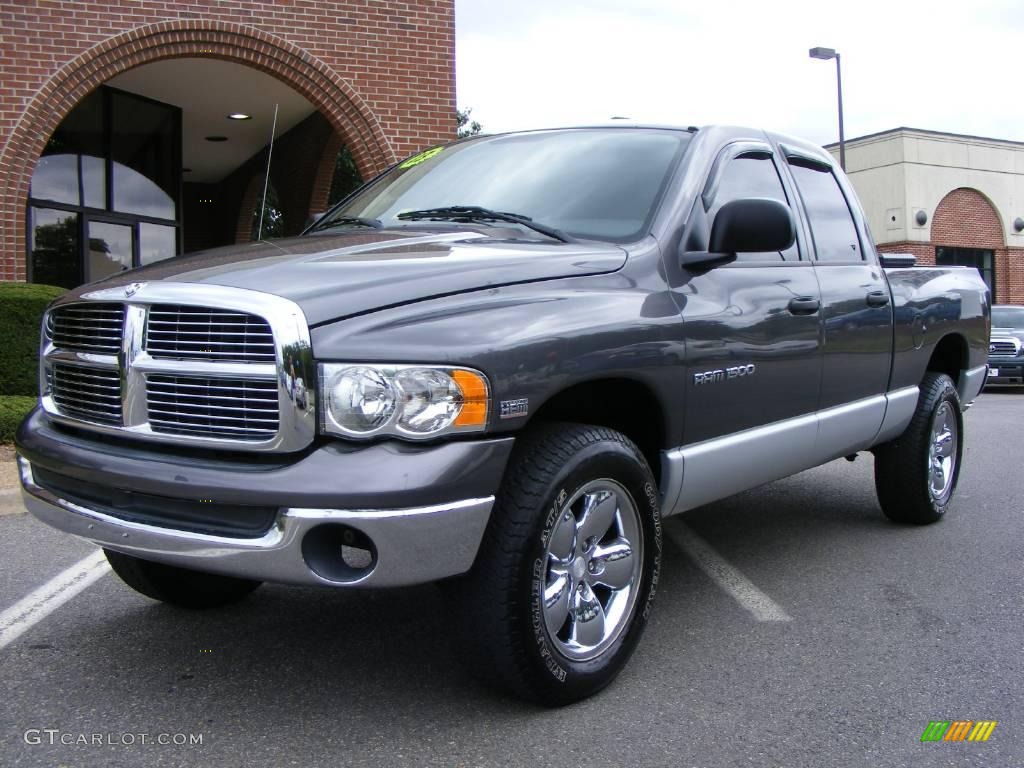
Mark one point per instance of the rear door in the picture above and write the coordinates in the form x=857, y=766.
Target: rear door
x=752, y=330
x=856, y=303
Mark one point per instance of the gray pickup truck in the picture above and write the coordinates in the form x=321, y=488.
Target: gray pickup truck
x=499, y=365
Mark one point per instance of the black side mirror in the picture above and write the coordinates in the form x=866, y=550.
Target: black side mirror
x=748, y=225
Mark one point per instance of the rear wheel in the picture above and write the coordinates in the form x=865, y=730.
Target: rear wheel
x=564, y=579
x=178, y=586
x=916, y=474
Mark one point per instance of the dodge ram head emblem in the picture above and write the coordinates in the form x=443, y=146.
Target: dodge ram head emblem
x=132, y=289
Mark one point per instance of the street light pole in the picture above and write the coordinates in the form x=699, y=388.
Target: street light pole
x=825, y=54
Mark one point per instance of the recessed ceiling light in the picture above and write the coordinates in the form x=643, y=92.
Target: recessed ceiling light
x=216, y=138
x=239, y=116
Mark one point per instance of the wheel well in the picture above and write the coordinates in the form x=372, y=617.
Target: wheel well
x=949, y=357
x=624, y=405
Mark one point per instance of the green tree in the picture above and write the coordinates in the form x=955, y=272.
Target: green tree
x=346, y=177
x=464, y=125
x=273, y=216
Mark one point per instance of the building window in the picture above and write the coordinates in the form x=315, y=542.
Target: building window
x=981, y=259
x=106, y=194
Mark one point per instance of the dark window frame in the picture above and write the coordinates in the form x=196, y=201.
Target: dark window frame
x=108, y=214
x=980, y=253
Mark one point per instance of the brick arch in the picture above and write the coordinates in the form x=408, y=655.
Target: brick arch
x=247, y=208
x=325, y=174
x=187, y=38
x=966, y=218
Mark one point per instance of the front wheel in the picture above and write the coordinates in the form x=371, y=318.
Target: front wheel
x=564, y=580
x=916, y=474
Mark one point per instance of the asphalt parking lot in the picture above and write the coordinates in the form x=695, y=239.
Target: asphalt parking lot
x=872, y=630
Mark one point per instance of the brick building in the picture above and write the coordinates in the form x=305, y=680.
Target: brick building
x=947, y=199
x=131, y=131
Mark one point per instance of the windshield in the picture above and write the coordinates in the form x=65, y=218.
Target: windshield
x=601, y=184
x=1008, y=317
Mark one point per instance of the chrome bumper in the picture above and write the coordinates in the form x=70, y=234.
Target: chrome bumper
x=410, y=546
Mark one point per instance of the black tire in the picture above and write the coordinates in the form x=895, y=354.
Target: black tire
x=178, y=586
x=903, y=468
x=499, y=605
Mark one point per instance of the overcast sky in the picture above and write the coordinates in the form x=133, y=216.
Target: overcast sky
x=947, y=66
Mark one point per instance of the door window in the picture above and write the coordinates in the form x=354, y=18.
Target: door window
x=835, y=235
x=751, y=176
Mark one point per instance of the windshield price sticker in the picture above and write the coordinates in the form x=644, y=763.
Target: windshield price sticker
x=421, y=157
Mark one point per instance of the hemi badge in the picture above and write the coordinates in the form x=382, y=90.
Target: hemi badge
x=511, y=409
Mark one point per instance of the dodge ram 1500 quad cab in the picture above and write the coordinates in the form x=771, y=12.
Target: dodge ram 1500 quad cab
x=499, y=365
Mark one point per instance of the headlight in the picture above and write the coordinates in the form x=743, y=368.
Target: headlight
x=411, y=401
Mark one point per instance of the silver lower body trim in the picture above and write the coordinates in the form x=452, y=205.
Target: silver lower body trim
x=413, y=546
x=699, y=474
x=971, y=382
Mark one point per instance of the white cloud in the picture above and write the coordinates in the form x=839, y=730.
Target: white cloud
x=948, y=66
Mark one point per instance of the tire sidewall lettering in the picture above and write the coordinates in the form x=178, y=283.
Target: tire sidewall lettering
x=559, y=669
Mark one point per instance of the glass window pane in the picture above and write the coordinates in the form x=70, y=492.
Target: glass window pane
x=752, y=177
x=835, y=236
x=156, y=242
x=134, y=193
x=81, y=131
x=110, y=249
x=94, y=182
x=56, y=178
x=144, y=135
x=979, y=258
x=53, y=247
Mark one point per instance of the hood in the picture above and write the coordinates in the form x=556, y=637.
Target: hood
x=339, y=275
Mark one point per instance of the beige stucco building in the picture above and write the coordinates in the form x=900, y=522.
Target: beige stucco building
x=946, y=198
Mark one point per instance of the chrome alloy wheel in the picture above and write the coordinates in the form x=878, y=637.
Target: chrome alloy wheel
x=942, y=451
x=594, y=563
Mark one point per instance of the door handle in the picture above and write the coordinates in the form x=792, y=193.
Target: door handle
x=804, y=305
x=878, y=299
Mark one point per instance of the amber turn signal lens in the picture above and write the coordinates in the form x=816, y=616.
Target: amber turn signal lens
x=474, y=399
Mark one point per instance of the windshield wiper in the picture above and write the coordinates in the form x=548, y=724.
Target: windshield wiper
x=340, y=221
x=471, y=213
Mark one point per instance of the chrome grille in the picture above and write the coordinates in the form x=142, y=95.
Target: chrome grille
x=181, y=363
x=1005, y=347
x=239, y=409
x=87, y=393
x=95, y=328
x=202, y=333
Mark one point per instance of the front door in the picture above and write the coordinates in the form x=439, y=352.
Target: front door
x=752, y=327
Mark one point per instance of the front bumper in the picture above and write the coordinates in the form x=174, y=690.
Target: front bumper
x=320, y=500
x=1005, y=371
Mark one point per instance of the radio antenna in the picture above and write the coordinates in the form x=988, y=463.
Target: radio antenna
x=266, y=179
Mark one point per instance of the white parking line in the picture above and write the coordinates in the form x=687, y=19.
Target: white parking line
x=39, y=604
x=724, y=574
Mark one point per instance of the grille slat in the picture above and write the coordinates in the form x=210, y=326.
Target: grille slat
x=1002, y=347
x=189, y=405
x=243, y=408
x=88, y=327
x=182, y=332
x=90, y=394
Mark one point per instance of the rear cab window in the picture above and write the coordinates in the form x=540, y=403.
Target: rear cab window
x=831, y=221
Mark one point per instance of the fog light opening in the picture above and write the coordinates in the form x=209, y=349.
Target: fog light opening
x=339, y=553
